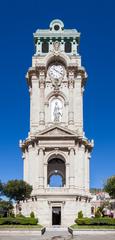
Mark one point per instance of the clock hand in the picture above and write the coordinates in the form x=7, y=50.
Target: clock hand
x=58, y=72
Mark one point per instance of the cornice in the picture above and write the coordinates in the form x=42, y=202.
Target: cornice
x=78, y=140
x=68, y=33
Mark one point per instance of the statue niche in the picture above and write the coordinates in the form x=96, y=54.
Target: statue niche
x=56, y=110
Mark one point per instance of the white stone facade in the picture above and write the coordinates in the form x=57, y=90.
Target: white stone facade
x=56, y=144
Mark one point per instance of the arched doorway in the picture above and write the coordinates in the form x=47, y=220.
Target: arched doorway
x=56, y=171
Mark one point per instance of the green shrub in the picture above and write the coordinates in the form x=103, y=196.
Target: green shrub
x=32, y=215
x=80, y=214
x=20, y=215
x=83, y=221
x=27, y=221
x=96, y=221
x=97, y=214
x=18, y=221
x=12, y=215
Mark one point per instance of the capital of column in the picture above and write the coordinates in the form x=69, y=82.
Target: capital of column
x=70, y=117
x=41, y=150
x=51, y=41
x=31, y=145
x=45, y=164
x=79, y=77
x=42, y=83
x=62, y=40
x=71, y=150
x=71, y=83
x=67, y=164
x=34, y=77
x=86, y=150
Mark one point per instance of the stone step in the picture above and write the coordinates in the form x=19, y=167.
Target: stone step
x=55, y=228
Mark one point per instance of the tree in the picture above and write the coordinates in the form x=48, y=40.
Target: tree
x=95, y=190
x=109, y=186
x=17, y=190
x=6, y=208
x=1, y=188
x=98, y=213
x=103, y=206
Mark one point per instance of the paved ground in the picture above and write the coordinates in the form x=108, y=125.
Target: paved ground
x=60, y=235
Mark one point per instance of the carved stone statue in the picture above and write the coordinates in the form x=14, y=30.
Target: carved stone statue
x=57, y=112
x=56, y=46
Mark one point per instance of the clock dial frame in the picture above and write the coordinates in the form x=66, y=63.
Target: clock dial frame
x=56, y=71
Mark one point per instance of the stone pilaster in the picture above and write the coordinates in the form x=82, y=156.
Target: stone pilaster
x=86, y=171
x=31, y=164
x=74, y=46
x=45, y=175
x=50, y=45
x=26, y=169
x=34, y=109
x=71, y=112
x=38, y=47
x=67, y=175
x=78, y=105
x=71, y=159
x=76, y=166
x=42, y=86
x=41, y=167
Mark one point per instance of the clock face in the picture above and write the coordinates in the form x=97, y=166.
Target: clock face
x=56, y=71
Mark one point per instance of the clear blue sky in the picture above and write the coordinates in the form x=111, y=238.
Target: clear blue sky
x=96, y=22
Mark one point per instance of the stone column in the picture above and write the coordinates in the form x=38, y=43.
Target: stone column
x=62, y=44
x=71, y=112
x=71, y=159
x=83, y=167
x=50, y=45
x=38, y=47
x=42, y=86
x=88, y=172
x=34, y=108
x=26, y=165
x=31, y=103
x=25, y=168
x=74, y=46
x=45, y=175
x=78, y=105
x=67, y=175
x=31, y=163
x=41, y=167
x=76, y=168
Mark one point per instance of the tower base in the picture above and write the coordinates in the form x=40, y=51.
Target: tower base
x=56, y=210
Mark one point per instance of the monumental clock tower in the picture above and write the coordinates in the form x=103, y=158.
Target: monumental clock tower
x=56, y=153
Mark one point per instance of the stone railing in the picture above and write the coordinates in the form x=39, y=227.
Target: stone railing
x=56, y=189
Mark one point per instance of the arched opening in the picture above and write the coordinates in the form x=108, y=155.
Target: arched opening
x=45, y=47
x=56, y=172
x=56, y=60
x=68, y=47
x=56, y=180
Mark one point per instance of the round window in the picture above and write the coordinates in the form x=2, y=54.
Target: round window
x=56, y=27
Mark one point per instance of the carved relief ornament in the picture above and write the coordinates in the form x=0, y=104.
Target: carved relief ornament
x=56, y=46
